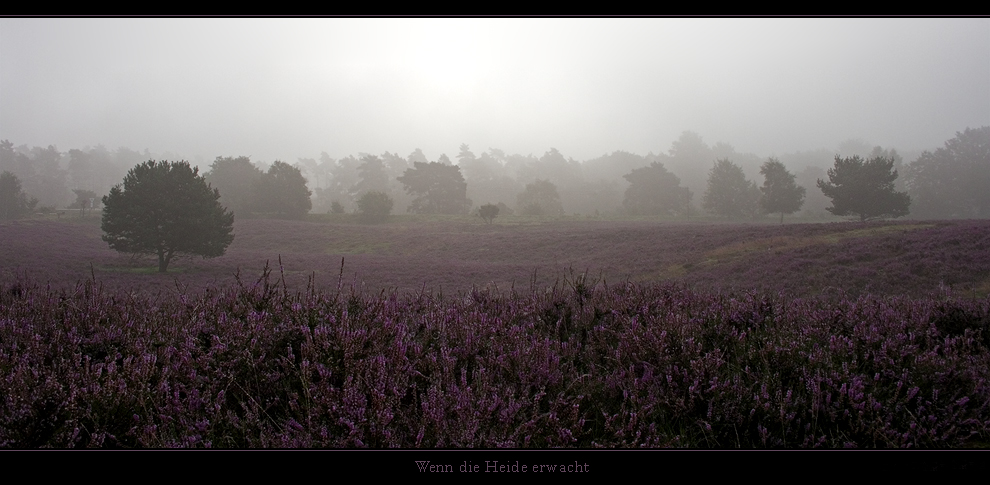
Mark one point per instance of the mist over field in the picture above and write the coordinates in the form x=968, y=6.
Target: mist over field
x=288, y=88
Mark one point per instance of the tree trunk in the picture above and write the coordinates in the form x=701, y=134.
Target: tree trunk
x=164, y=257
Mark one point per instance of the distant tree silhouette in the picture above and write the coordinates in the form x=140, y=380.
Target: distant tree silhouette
x=439, y=188
x=954, y=180
x=14, y=203
x=245, y=189
x=375, y=206
x=372, y=175
x=729, y=194
x=781, y=194
x=237, y=180
x=283, y=190
x=539, y=198
x=85, y=199
x=417, y=156
x=488, y=212
x=655, y=191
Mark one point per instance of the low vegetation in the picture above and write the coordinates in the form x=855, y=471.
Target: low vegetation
x=868, y=335
x=580, y=364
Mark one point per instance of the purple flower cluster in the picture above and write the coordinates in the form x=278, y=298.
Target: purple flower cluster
x=578, y=364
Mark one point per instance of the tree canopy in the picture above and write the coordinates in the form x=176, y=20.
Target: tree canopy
x=164, y=209
x=540, y=198
x=245, y=189
x=14, y=203
x=236, y=179
x=372, y=174
x=655, y=191
x=488, y=212
x=375, y=206
x=343, y=179
x=689, y=156
x=417, y=156
x=729, y=194
x=283, y=190
x=781, y=194
x=864, y=188
x=953, y=181
x=85, y=200
x=439, y=188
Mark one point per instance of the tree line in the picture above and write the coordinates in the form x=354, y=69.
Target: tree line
x=691, y=178
x=168, y=208
x=246, y=189
x=709, y=179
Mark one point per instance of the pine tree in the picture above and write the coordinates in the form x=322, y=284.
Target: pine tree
x=165, y=209
x=864, y=188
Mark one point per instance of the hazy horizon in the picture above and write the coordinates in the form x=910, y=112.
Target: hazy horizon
x=290, y=88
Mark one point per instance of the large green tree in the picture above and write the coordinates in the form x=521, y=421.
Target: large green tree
x=781, y=194
x=164, y=209
x=439, y=188
x=864, y=188
x=655, y=191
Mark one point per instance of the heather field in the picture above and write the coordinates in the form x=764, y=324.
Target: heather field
x=520, y=334
x=892, y=258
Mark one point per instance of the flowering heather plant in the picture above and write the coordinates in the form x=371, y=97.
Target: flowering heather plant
x=578, y=364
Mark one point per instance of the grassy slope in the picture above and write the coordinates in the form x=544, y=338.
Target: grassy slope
x=914, y=258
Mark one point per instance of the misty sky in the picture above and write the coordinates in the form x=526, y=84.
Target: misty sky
x=289, y=88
